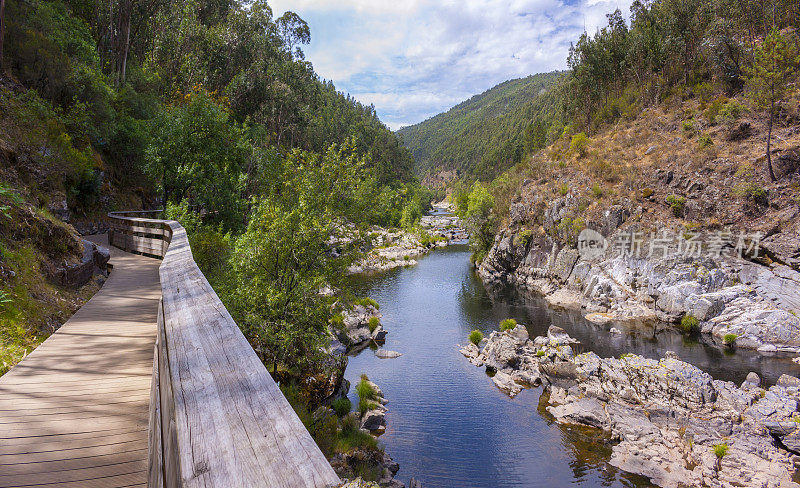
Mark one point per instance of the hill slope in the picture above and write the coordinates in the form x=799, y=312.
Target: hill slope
x=488, y=133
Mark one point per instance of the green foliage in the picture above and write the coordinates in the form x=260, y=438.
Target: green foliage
x=720, y=450
x=540, y=353
x=508, y=324
x=367, y=302
x=579, y=144
x=341, y=406
x=704, y=141
x=367, y=395
x=597, y=192
x=563, y=189
x=373, y=323
x=476, y=337
x=480, y=220
x=487, y=134
x=690, y=324
x=748, y=187
x=207, y=170
x=776, y=61
x=730, y=339
x=677, y=204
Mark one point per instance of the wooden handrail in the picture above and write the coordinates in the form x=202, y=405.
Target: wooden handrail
x=217, y=419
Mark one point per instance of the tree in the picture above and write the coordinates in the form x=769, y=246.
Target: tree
x=284, y=258
x=2, y=30
x=775, y=60
x=480, y=220
x=198, y=153
x=294, y=31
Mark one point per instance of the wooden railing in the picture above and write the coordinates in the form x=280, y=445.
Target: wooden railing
x=217, y=419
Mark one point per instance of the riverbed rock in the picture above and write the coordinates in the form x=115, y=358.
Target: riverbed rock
x=666, y=414
x=387, y=354
x=374, y=420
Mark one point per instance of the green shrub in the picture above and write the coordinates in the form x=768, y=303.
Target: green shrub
x=597, y=192
x=373, y=323
x=475, y=337
x=337, y=321
x=524, y=237
x=341, y=406
x=715, y=108
x=730, y=111
x=406, y=257
x=690, y=324
x=677, y=204
x=688, y=126
x=540, y=353
x=720, y=450
x=705, y=141
x=351, y=436
x=368, y=302
x=625, y=355
x=508, y=324
x=366, y=395
x=579, y=144
x=647, y=192
x=729, y=339
x=563, y=189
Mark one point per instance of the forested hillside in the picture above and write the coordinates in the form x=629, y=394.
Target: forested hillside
x=490, y=132
x=209, y=109
x=701, y=90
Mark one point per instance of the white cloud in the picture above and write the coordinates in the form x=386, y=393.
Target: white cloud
x=415, y=58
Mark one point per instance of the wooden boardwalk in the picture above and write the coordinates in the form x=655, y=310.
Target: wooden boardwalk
x=74, y=413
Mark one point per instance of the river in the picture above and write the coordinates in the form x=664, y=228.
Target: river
x=449, y=426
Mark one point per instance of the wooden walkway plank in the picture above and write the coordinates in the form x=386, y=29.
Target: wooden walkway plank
x=74, y=413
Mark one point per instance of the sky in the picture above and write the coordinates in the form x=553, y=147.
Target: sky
x=415, y=58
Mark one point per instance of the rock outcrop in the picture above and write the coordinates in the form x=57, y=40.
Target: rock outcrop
x=756, y=300
x=673, y=423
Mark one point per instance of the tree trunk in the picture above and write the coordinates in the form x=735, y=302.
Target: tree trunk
x=2, y=30
x=769, y=140
x=127, y=45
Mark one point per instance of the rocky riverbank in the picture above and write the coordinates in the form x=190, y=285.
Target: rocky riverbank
x=737, y=285
x=392, y=248
x=673, y=423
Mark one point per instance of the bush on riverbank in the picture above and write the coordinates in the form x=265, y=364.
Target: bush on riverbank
x=508, y=324
x=690, y=324
x=475, y=337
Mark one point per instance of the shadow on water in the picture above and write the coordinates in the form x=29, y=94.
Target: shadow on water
x=449, y=426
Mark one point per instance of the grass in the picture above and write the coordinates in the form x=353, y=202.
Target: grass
x=720, y=450
x=730, y=339
x=508, y=324
x=341, y=406
x=540, y=353
x=476, y=337
x=597, y=192
x=366, y=395
x=373, y=323
x=690, y=324
x=368, y=302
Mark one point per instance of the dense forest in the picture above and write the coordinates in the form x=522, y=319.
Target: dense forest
x=209, y=109
x=483, y=136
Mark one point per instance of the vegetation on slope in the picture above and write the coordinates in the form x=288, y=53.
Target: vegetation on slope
x=692, y=69
x=209, y=108
x=481, y=137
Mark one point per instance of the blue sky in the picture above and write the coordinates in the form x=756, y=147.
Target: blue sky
x=415, y=58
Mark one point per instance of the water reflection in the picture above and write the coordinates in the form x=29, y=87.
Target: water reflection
x=449, y=426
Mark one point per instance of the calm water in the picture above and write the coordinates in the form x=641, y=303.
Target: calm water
x=449, y=426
